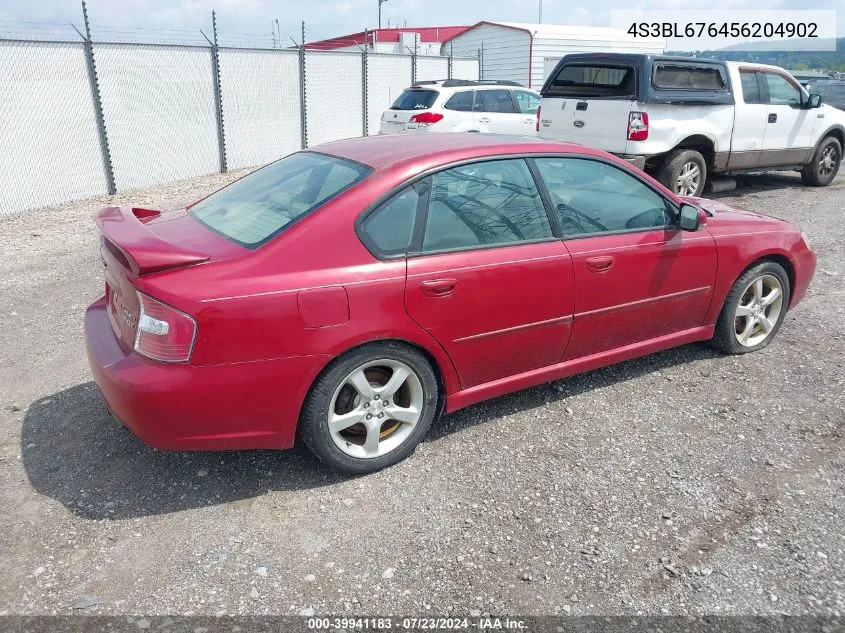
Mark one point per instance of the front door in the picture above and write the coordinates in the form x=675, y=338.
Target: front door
x=491, y=283
x=789, y=129
x=637, y=276
x=527, y=104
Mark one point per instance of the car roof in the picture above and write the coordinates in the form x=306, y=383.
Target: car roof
x=386, y=151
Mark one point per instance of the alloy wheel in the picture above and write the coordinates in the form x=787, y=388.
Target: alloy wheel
x=689, y=179
x=375, y=408
x=758, y=311
x=828, y=161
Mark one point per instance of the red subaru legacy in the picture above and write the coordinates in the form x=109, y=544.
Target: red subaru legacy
x=354, y=292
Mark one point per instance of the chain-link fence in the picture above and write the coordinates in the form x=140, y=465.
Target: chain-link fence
x=87, y=118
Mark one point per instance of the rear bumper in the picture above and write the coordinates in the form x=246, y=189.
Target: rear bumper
x=185, y=407
x=636, y=160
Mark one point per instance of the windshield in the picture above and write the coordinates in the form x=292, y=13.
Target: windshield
x=259, y=206
x=415, y=100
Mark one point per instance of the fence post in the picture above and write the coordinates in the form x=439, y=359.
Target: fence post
x=449, y=66
x=218, y=98
x=364, y=104
x=303, y=119
x=98, y=103
x=481, y=62
x=414, y=61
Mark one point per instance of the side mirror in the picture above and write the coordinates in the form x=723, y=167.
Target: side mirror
x=690, y=218
x=814, y=101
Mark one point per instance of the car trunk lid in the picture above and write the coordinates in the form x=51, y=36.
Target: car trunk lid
x=137, y=242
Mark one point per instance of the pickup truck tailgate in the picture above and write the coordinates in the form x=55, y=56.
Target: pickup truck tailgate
x=600, y=123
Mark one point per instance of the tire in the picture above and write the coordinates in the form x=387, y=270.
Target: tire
x=748, y=300
x=676, y=164
x=824, y=166
x=334, y=422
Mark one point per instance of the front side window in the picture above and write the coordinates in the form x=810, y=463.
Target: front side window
x=259, y=206
x=782, y=91
x=527, y=102
x=415, y=100
x=494, y=101
x=484, y=204
x=593, y=197
x=750, y=88
x=460, y=101
x=390, y=228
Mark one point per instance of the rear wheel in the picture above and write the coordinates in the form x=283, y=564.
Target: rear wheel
x=370, y=408
x=684, y=172
x=824, y=166
x=754, y=309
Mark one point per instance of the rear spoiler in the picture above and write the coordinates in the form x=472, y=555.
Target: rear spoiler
x=145, y=252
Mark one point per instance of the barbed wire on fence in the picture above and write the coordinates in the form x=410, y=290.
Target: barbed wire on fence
x=141, y=106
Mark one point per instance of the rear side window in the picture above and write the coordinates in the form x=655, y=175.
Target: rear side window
x=259, y=206
x=415, y=100
x=494, y=101
x=460, y=101
x=688, y=77
x=581, y=80
x=527, y=102
x=484, y=204
x=750, y=88
x=390, y=228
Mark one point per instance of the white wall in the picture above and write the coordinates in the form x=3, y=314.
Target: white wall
x=505, y=51
x=555, y=49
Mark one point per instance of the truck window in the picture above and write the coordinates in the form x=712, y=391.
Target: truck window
x=782, y=91
x=750, y=87
x=688, y=77
x=581, y=80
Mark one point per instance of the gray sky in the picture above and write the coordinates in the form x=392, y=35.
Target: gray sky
x=329, y=18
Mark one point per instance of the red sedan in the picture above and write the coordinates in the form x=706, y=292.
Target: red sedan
x=354, y=292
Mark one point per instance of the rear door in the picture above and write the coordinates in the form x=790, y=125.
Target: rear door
x=495, y=112
x=412, y=101
x=589, y=103
x=750, y=116
x=491, y=282
x=527, y=104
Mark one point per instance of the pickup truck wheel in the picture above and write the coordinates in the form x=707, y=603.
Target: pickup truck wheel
x=822, y=169
x=684, y=172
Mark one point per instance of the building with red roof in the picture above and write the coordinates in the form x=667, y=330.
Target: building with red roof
x=428, y=40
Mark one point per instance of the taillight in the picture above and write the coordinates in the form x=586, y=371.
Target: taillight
x=426, y=118
x=637, y=126
x=164, y=333
x=538, y=119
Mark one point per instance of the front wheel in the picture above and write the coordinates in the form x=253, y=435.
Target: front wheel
x=684, y=171
x=370, y=408
x=754, y=309
x=823, y=167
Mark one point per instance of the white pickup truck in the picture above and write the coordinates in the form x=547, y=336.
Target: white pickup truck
x=684, y=119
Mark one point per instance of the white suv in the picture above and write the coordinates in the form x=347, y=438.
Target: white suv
x=457, y=105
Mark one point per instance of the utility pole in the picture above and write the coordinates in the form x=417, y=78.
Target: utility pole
x=380, y=2
x=540, y=19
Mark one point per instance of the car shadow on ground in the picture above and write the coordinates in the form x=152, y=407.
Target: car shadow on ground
x=750, y=184
x=73, y=451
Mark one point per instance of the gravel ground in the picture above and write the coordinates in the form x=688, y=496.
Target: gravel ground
x=684, y=482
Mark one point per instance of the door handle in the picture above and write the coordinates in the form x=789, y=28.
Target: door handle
x=484, y=120
x=600, y=264
x=439, y=287
x=531, y=120
x=773, y=118
x=581, y=105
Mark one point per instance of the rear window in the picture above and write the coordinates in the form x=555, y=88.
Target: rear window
x=415, y=100
x=686, y=77
x=259, y=206
x=591, y=80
